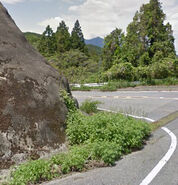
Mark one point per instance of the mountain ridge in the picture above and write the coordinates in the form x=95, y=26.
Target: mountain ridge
x=97, y=41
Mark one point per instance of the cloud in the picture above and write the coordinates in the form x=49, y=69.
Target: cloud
x=11, y=1
x=53, y=22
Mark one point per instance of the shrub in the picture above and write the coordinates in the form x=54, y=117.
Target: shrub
x=125, y=131
x=106, y=151
x=120, y=71
x=73, y=58
x=141, y=72
x=89, y=106
x=159, y=71
x=171, y=65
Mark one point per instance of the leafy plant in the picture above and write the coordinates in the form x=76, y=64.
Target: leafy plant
x=68, y=100
x=89, y=106
x=125, y=131
x=32, y=172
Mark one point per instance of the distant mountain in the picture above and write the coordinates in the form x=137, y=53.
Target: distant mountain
x=98, y=41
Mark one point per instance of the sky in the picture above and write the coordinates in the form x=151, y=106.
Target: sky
x=97, y=17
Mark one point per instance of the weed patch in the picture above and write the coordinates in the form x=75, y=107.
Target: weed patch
x=89, y=106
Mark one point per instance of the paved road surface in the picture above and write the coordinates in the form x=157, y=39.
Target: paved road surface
x=133, y=168
x=152, y=104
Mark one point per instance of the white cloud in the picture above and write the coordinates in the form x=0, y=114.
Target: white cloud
x=11, y=1
x=53, y=22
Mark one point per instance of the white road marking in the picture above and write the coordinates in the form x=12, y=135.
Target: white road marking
x=138, y=117
x=149, y=178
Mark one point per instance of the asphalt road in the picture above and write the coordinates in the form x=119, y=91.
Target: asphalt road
x=134, y=168
x=152, y=104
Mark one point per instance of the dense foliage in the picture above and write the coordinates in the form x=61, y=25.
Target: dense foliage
x=33, y=38
x=146, y=51
x=51, y=44
x=47, y=43
x=63, y=38
x=89, y=106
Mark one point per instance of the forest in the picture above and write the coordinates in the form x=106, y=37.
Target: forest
x=144, y=53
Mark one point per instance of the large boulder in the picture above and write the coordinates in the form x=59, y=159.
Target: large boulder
x=32, y=112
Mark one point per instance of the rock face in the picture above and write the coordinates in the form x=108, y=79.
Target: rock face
x=32, y=113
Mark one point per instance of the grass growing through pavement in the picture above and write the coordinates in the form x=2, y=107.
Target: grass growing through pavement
x=102, y=137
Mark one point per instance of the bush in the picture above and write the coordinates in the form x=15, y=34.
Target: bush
x=171, y=65
x=141, y=72
x=125, y=131
x=89, y=106
x=106, y=151
x=74, y=58
x=120, y=71
x=159, y=71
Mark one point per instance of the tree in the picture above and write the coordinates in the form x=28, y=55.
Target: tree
x=63, y=38
x=47, y=44
x=113, y=48
x=77, y=38
x=133, y=47
x=148, y=36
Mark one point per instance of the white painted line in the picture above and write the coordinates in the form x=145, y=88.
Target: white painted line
x=148, y=179
x=138, y=117
x=101, y=109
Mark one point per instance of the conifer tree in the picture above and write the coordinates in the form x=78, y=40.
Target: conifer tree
x=112, y=48
x=63, y=38
x=77, y=38
x=47, y=44
x=148, y=38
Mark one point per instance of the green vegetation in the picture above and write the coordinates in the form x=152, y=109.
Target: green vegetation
x=98, y=139
x=47, y=43
x=145, y=52
x=89, y=106
x=33, y=38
